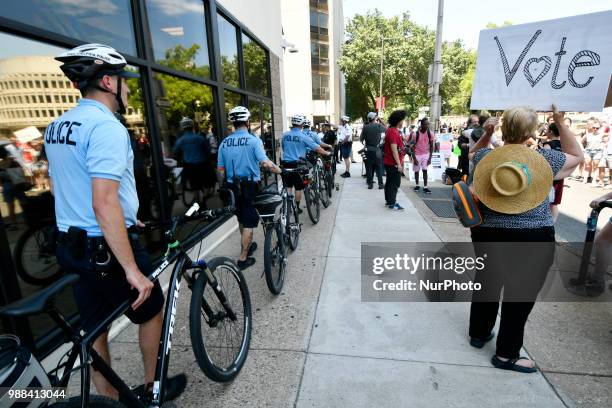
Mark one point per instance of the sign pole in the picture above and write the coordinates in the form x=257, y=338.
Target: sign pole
x=436, y=77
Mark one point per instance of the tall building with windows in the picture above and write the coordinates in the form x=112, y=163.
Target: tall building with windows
x=313, y=32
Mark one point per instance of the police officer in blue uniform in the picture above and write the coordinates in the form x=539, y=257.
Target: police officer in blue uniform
x=193, y=150
x=295, y=146
x=241, y=155
x=314, y=135
x=91, y=168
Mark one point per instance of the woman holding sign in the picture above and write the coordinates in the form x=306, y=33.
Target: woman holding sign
x=513, y=183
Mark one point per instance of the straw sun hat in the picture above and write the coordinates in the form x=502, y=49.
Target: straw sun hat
x=512, y=179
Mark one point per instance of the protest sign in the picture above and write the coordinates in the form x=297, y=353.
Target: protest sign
x=567, y=61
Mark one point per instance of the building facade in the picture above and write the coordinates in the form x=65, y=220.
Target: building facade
x=313, y=83
x=196, y=58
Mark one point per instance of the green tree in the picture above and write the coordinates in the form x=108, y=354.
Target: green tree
x=408, y=52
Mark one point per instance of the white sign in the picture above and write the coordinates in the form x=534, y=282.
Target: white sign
x=567, y=61
x=434, y=170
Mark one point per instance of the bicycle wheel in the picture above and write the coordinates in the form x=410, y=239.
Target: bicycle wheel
x=322, y=185
x=293, y=225
x=312, y=203
x=35, y=255
x=329, y=183
x=274, y=258
x=220, y=342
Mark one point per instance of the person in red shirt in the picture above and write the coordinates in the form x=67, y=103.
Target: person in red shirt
x=393, y=158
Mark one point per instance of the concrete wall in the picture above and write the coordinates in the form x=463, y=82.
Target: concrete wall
x=261, y=17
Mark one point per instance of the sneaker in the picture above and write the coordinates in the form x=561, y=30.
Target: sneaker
x=345, y=175
x=250, y=261
x=396, y=207
x=380, y=187
x=416, y=188
x=300, y=211
x=370, y=186
x=174, y=388
x=426, y=190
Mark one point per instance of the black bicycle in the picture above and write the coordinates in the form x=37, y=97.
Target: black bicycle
x=219, y=320
x=268, y=204
x=290, y=218
x=312, y=193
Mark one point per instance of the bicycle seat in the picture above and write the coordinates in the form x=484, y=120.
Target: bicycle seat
x=40, y=301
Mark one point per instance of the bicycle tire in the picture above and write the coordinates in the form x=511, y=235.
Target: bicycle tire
x=95, y=401
x=293, y=226
x=28, y=275
x=330, y=183
x=274, y=258
x=202, y=349
x=313, y=206
x=322, y=185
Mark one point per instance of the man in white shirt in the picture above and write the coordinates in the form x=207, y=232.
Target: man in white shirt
x=345, y=133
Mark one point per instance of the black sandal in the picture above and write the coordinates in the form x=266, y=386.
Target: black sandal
x=252, y=248
x=512, y=366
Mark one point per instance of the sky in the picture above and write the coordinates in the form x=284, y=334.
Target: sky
x=465, y=18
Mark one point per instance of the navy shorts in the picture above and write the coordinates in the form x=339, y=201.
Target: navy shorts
x=293, y=179
x=99, y=296
x=245, y=209
x=345, y=150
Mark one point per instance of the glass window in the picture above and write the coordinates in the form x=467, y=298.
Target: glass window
x=319, y=54
x=320, y=87
x=232, y=99
x=179, y=35
x=318, y=22
x=228, y=41
x=268, y=131
x=177, y=98
x=106, y=22
x=255, y=66
x=255, y=117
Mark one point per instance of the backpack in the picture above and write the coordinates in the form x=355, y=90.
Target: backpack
x=466, y=203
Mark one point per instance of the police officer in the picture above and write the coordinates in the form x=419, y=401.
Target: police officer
x=91, y=169
x=295, y=146
x=193, y=149
x=240, y=156
x=313, y=135
x=370, y=137
x=345, y=133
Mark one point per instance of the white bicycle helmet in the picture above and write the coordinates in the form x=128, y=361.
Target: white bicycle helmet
x=345, y=118
x=86, y=63
x=298, y=120
x=186, y=123
x=239, y=114
x=307, y=122
x=371, y=116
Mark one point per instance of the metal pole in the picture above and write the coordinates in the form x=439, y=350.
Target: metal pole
x=380, y=90
x=435, y=98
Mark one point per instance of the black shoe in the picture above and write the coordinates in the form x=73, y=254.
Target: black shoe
x=353, y=161
x=416, y=188
x=300, y=211
x=370, y=186
x=479, y=343
x=250, y=261
x=252, y=248
x=174, y=388
x=345, y=175
x=426, y=190
x=380, y=186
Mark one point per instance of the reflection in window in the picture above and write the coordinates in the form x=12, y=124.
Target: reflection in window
x=255, y=117
x=229, y=51
x=255, y=66
x=179, y=35
x=268, y=133
x=106, y=22
x=319, y=54
x=177, y=98
x=232, y=99
x=320, y=87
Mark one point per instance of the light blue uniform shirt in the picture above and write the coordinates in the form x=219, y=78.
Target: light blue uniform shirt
x=240, y=155
x=192, y=147
x=296, y=144
x=87, y=142
x=313, y=135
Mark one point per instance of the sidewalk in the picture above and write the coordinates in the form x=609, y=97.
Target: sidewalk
x=317, y=345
